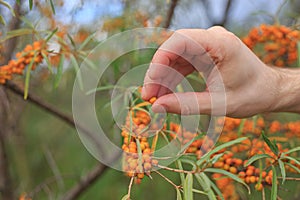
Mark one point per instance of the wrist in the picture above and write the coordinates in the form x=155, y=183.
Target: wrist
x=287, y=96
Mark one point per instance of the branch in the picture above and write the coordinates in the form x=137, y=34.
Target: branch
x=54, y=111
x=5, y=181
x=171, y=13
x=85, y=182
x=224, y=19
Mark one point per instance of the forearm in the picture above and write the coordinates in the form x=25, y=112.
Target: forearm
x=287, y=97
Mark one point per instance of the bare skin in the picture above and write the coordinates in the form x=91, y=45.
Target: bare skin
x=238, y=83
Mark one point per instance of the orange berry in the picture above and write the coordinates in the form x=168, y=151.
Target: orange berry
x=242, y=174
x=252, y=179
x=140, y=175
x=249, y=172
x=152, y=100
x=226, y=167
x=233, y=170
x=147, y=166
x=154, y=162
x=138, y=181
x=259, y=186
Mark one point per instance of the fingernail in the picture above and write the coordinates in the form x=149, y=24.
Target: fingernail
x=158, y=108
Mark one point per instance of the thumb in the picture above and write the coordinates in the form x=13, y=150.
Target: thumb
x=184, y=103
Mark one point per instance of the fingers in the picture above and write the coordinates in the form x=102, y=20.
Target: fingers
x=190, y=103
x=183, y=103
x=185, y=51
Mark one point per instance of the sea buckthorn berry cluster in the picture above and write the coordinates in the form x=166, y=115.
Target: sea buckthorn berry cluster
x=24, y=58
x=274, y=44
x=136, y=165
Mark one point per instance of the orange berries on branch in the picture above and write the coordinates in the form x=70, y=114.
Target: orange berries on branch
x=274, y=44
x=32, y=55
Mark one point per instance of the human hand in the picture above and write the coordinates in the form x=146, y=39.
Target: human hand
x=238, y=83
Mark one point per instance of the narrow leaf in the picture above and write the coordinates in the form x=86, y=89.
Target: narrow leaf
x=272, y=145
x=256, y=157
x=30, y=4
x=59, y=71
x=217, y=190
x=51, y=34
x=71, y=40
x=126, y=197
x=218, y=148
x=204, y=181
x=230, y=175
x=292, y=150
x=274, y=185
x=187, y=187
x=292, y=159
x=7, y=5
x=86, y=41
x=52, y=7
x=77, y=70
x=27, y=78
x=182, y=178
x=294, y=167
x=2, y=21
x=49, y=66
x=282, y=170
x=178, y=194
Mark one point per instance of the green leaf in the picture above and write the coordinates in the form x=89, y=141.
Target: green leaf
x=291, y=158
x=18, y=32
x=294, y=167
x=7, y=5
x=51, y=34
x=216, y=157
x=178, y=194
x=71, y=40
x=126, y=197
x=217, y=190
x=18, y=1
x=27, y=78
x=282, y=170
x=230, y=175
x=241, y=127
x=52, y=7
x=218, y=148
x=190, y=162
x=204, y=181
x=2, y=21
x=182, y=178
x=88, y=62
x=272, y=145
x=140, y=154
x=49, y=66
x=187, y=187
x=26, y=21
x=86, y=41
x=59, y=70
x=77, y=70
x=292, y=150
x=102, y=88
x=274, y=185
x=30, y=4
x=256, y=157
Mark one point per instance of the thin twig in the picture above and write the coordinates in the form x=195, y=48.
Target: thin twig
x=129, y=188
x=176, y=170
x=170, y=13
x=290, y=178
x=168, y=180
x=263, y=194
